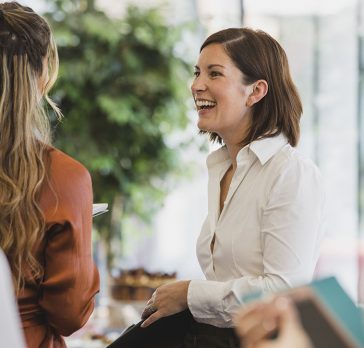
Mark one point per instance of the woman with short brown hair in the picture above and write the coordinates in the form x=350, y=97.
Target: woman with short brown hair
x=265, y=209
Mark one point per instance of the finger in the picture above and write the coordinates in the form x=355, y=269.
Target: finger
x=261, y=331
x=290, y=324
x=257, y=323
x=151, y=299
x=289, y=316
x=151, y=319
x=248, y=317
x=273, y=315
x=154, y=295
x=148, y=311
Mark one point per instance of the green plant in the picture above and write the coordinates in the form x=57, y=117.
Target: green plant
x=123, y=90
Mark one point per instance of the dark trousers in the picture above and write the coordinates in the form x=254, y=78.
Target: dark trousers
x=176, y=331
x=208, y=336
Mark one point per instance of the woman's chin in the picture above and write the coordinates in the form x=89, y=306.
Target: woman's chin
x=202, y=126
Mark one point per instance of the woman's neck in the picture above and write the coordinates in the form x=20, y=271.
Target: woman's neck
x=233, y=150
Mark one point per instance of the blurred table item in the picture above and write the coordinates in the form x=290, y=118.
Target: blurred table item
x=137, y=284
x=129, y=292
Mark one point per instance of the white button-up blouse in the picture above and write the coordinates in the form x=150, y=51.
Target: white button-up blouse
x=268, y=234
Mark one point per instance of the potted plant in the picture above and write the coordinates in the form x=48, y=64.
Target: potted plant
x=122, y=89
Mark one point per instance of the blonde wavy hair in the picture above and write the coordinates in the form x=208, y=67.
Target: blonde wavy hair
x=26, y=45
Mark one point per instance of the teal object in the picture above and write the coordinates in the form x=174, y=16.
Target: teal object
x=252, y=296
x=341, y=306
x=336, y=302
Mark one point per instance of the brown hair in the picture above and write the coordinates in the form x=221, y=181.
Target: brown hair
x=259, y=56
x=25, y=41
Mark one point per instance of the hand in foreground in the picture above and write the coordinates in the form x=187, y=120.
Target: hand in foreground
x=256, y=324
x=168, y=299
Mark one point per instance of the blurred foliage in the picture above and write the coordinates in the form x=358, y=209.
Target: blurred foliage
x=123, y=90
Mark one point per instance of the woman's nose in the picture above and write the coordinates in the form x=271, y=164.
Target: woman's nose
x=198, y=85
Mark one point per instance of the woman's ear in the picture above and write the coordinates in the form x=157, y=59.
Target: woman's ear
x=259, y=90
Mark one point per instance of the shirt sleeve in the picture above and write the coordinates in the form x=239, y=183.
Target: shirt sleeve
x=291, y=230
x=71, y=278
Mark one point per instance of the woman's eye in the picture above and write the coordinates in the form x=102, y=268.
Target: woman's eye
x=215, y=73
x=196, y=73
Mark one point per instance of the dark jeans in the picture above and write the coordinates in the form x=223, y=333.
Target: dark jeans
x=208, y=336
x=177, y=331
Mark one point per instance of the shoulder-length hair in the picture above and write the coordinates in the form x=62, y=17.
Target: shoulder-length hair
x=259, y=56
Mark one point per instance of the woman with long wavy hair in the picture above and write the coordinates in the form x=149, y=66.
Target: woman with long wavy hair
x=45, y=195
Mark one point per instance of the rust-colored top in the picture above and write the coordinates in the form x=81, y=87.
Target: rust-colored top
x=63, y=300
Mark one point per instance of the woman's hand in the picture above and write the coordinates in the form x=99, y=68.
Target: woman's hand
x=168, y=299
x=258, y=322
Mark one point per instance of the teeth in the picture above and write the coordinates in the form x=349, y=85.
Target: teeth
x=201, y=103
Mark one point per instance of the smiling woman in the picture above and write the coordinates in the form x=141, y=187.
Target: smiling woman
x=266, y=201
x=216, y=89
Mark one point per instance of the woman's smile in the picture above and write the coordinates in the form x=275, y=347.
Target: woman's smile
x=204, y=106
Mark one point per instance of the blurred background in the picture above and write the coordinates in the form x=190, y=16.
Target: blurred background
x=126, y=68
